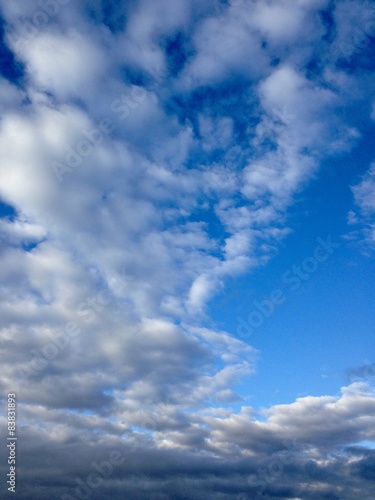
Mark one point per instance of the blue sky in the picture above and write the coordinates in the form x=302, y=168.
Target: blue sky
x=326, y=314
x=187, y=232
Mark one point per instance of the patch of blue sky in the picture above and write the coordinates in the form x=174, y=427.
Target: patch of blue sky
x=10, y=68
x=7, y=211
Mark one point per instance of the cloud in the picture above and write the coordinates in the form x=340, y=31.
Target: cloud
x=364, y=193
x=66, y=64
x=280, y=22
x=294, y=120
x=150, y=154
x=224, y=45
x=243, y=455
x=353, y=31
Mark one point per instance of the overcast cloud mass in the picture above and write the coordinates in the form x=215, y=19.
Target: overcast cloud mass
x=153, y=153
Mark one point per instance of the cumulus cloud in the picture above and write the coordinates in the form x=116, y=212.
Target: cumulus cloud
x=151, y=152
x=303, y=450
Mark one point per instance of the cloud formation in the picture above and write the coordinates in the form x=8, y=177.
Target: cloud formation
x=364, y=196
x=150, y=154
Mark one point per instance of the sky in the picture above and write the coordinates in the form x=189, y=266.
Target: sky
x=187, y=236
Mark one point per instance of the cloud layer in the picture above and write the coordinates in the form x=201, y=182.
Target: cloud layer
x=151, y=152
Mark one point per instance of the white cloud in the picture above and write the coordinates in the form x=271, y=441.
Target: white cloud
x=354, y=28
x=283, y=22
x=364, y=192
x=20, y=231
x=225, y=46
x=68, y=64
x=296, y=121
x=106, y=266
x=364, y=197
x=10, y=96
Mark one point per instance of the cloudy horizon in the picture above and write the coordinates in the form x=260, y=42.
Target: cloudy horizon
x=187, y=232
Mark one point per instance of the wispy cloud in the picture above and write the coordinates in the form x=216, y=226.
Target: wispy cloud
x=364, y=197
